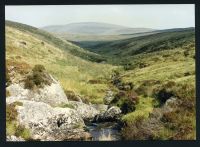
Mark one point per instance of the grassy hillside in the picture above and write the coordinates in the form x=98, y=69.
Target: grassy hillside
x=26, y=48
x=56, y=41
x=151, y=72
x=128, y=48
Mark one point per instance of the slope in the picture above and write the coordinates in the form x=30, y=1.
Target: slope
x=128, y=48
x=26, y=46
x=56, y=41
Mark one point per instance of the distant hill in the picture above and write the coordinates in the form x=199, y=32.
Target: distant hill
x=94, y=28
x=165, y=40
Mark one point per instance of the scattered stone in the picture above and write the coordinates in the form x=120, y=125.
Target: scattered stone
x=109, y=97
x=111, y=114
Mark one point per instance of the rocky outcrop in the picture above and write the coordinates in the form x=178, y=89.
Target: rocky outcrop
x=111, y=114
x=51, y=94
x=87, y=112
x=50, y=124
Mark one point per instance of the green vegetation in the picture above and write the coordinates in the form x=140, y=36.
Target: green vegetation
x=143, y=72
x=71, y=71
x=12, y=128
x=38, y=78
x=67, y=106
x=55, y=41
x=124, y=50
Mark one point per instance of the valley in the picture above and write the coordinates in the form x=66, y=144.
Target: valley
x=126, y=83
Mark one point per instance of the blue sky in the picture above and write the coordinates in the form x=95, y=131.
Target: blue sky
x=142, y=16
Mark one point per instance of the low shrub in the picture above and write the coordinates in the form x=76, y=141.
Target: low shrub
x=74, y=97
x=146, y=88
x=38, y=68
x=134, y=130
x=164, y=92
x=71, y=95
x=181, y=123
x=21, y=131
x=38, y=78
x=11, y=112
x=29, y=83
x=126, y=101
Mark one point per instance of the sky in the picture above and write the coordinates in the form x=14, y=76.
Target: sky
x=135, y=16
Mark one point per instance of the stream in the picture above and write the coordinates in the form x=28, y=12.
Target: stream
x=104, y=131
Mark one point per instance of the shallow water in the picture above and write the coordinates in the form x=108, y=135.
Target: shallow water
x=106, y=131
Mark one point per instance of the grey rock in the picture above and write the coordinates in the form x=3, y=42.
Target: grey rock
x=86, y=111
x=51, y=94
x=111, y=114
x=108, y=97
x=47, y=123
x=100, y=107
x=14, y=138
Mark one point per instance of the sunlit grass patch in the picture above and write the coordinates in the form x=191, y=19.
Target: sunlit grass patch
x=143, y=108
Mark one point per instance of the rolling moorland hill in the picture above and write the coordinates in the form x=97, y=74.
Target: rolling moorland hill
x=27, y=46
x=56, y=41
x=153, y=82
x=126, y=48
x=94, y=28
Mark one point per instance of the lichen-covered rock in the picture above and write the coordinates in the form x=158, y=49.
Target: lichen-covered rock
x=14, y=138
x=51, y=94
x=50, y=124
x=100, y=107
x=111, y=114
x=86, y=111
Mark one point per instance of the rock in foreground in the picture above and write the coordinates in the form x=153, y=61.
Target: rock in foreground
x=51, y=124
x=51, y=94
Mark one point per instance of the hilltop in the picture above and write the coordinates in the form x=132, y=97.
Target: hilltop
x=94, y=28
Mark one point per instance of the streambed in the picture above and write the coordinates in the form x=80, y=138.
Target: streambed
x=104, y=131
